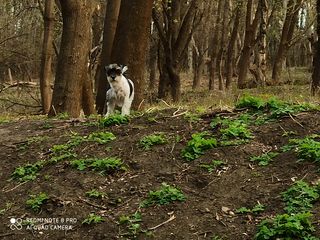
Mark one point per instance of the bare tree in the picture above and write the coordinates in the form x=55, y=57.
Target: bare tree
x=249, y=42
x=289, y=26
x=232, y=43
x=131, y=41
x=315, y=85
x=47, y=56
x=175, y=22
x=110, y=26
x=72, y=67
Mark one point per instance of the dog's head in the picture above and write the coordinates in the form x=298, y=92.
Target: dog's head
x=114, y=71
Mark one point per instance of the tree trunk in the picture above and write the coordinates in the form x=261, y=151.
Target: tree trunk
x=72, y=66
x=131, y=42
x=47, y=55
x=315, y=85
x=250, y=33
x=153, y=58
x=214, y=46
x=286, y=38
x=110, y=26
x=231, y=47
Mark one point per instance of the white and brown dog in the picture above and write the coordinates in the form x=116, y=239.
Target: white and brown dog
x=121, y=90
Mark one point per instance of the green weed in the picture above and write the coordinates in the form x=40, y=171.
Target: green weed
x=154, y=139
x=7, y=207
x=94, y=193
x=192, y=117
x=28, y=172
x=165, y=195
x=213, y=165
x=115, y=119
x=36, y=201
x=251, y=102
x=300, y=197
x=92, y=218
x=307, y=149
x=101, y=137
x=233, y=131
x=256, y=209
x=264, y=159
x=132, y=223
x=196, y=147
x=295, y=226
x=236, y=129
x=105, y=165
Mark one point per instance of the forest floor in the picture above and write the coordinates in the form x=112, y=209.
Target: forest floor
x=212, y=193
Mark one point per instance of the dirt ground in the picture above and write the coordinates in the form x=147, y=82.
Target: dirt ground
x=211, y=198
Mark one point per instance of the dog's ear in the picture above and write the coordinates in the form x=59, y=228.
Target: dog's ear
x=124, y=68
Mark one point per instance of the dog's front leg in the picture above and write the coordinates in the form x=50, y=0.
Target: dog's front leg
x=125, y=110
x=110, y=107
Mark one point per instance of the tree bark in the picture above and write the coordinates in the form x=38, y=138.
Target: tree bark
x=47, y=55
x=231, y=47
x=249, y=42
x=214, y=46
x=286, y=38
x=110, y=26
x=315, y=84
x=72, y=66
x=131, y=42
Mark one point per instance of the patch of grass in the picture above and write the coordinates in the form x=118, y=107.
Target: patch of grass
x=307, y=149
x=32, y=140
x=165, y=195
x=199, y=143
x=213, y=165
x=264, y=159
x=274, y=107
x=28, y=172
x=36, y=201
x=62, y=116
x=300, y=197
x=104, y=165
x=115, y=119
x=47, y=125
x=285, y=226
x=154, y=139
x=192, y=117
x=256, y=209
x=101, y=137
x=236, y=129
x=7, y=207
x=132, y=223
x=233, y=131
x=251, y=102
x=94, y=193
x=92, y=218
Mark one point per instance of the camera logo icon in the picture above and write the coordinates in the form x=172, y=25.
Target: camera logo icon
x=15, y=223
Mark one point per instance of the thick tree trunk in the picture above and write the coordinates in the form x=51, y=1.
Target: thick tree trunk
x=286, y=38
x=315, y=85
x=110, y=26
x=131, y=42
x=214, y=46
x=231, y=48
x=47, y=55
x=73, y=58
x=249, y=39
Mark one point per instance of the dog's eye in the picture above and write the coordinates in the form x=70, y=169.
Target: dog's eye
x=118, y=71
x=109, y=72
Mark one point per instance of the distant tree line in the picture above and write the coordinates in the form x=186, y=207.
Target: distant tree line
x=64, y=44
